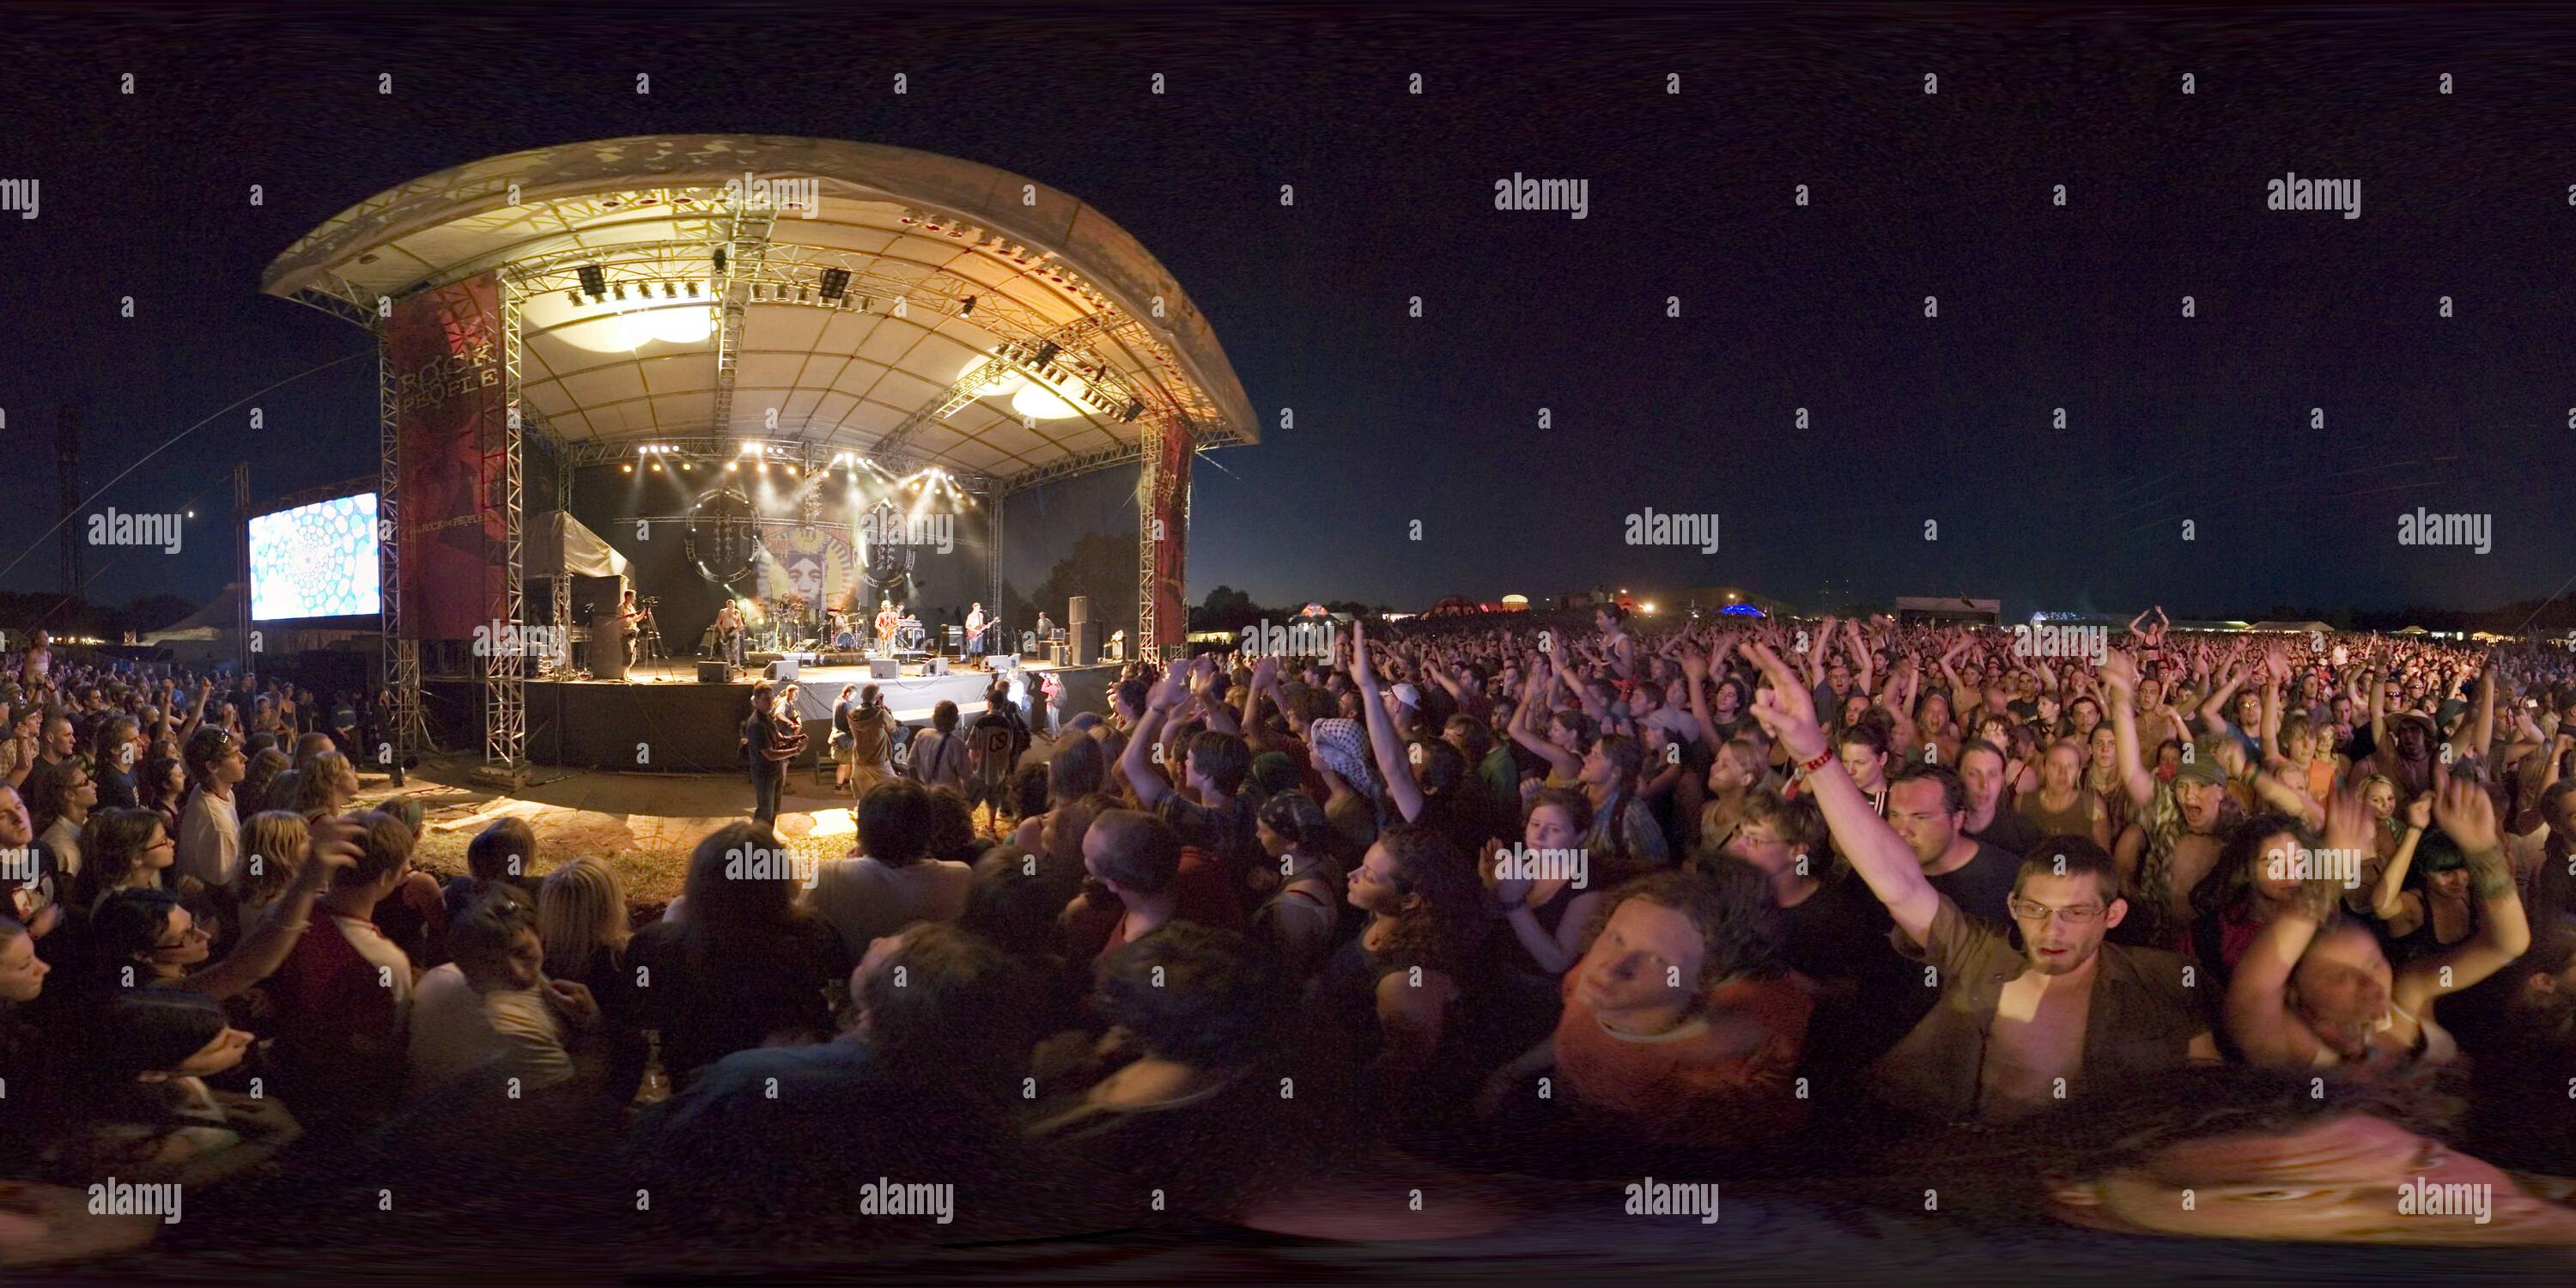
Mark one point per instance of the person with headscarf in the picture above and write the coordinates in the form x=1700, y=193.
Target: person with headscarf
x=1340, y=752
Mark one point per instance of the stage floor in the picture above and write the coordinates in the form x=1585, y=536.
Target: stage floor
x=663, y=720
x=913, y=696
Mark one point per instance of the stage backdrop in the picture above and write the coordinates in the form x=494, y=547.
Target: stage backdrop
x=695, y=537
x=444, y=347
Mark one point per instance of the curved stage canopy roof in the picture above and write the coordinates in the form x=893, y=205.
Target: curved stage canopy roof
x=1035, y=338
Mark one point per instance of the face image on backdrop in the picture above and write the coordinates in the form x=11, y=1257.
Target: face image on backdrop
x=810, y=563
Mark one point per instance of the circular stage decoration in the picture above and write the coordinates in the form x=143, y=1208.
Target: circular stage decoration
x=720, y=535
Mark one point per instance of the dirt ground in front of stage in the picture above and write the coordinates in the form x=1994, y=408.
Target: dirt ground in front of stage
x=644, y=825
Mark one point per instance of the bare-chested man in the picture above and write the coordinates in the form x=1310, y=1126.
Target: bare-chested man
x=2018, y=1029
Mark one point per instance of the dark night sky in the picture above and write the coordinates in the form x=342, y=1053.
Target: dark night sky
x=2466, y=195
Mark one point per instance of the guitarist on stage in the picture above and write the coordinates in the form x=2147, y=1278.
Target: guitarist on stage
x=887, y=620
x=975, y=631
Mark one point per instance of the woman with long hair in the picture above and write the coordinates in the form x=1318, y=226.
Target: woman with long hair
x=745, y=964
x=121, y=849
x=1734, y=774
x=1401, y=988
x=1624, y=837
x=582, y=922
x=163, y=787
x=264, y=769
x=274, y=845
x=329, y=784
x=2257, y=876
x=2422, y=899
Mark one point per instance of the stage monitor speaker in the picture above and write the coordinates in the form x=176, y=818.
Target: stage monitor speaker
x=607, y=647
x=937, y=666
x=1086, y=643
x=1060, y=653
x=884, y=668
x=1077, y=610
x=782, y=669
x=715, y=672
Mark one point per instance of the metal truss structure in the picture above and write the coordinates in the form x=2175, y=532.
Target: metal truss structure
x=401, y=656
x=505, y=663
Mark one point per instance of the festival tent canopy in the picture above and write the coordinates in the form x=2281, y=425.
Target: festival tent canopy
x=692, y=291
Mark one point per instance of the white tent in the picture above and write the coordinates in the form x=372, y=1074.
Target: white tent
x=559, y=542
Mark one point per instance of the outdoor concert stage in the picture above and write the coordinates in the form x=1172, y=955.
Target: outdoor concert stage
x=662, y=720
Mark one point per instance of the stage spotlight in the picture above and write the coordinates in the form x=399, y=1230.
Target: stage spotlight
x=593, y=282
x=1046, y=353
x=729, y=467
x=720, y=259
x=1134, y=410
x=627, y=468
x=836, y=281
x=574, y=297
x=966, y=307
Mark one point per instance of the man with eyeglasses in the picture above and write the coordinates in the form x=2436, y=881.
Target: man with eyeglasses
x=2030, y=1016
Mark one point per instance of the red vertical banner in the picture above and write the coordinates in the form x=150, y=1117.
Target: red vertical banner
x=445, y=348
x=1173, y=452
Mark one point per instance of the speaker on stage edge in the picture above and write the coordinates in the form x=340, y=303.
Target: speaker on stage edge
x=937, y=666
x=884, y=668
x=715, y=672
x=1086, y=643
x=782, y=669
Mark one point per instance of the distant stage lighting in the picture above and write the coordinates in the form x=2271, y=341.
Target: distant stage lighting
x=835, y=282
x=593, y=282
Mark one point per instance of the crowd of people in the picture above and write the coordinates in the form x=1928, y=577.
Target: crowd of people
x=2236, y=936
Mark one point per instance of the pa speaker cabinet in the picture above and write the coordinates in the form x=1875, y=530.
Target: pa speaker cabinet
x=937, y=666
x=1077, y=610
x=884, y=668
x=1086, y=643
x=715, y=672
x=783, y=669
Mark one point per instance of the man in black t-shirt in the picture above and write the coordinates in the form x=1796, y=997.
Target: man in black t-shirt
x=1927, y=805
